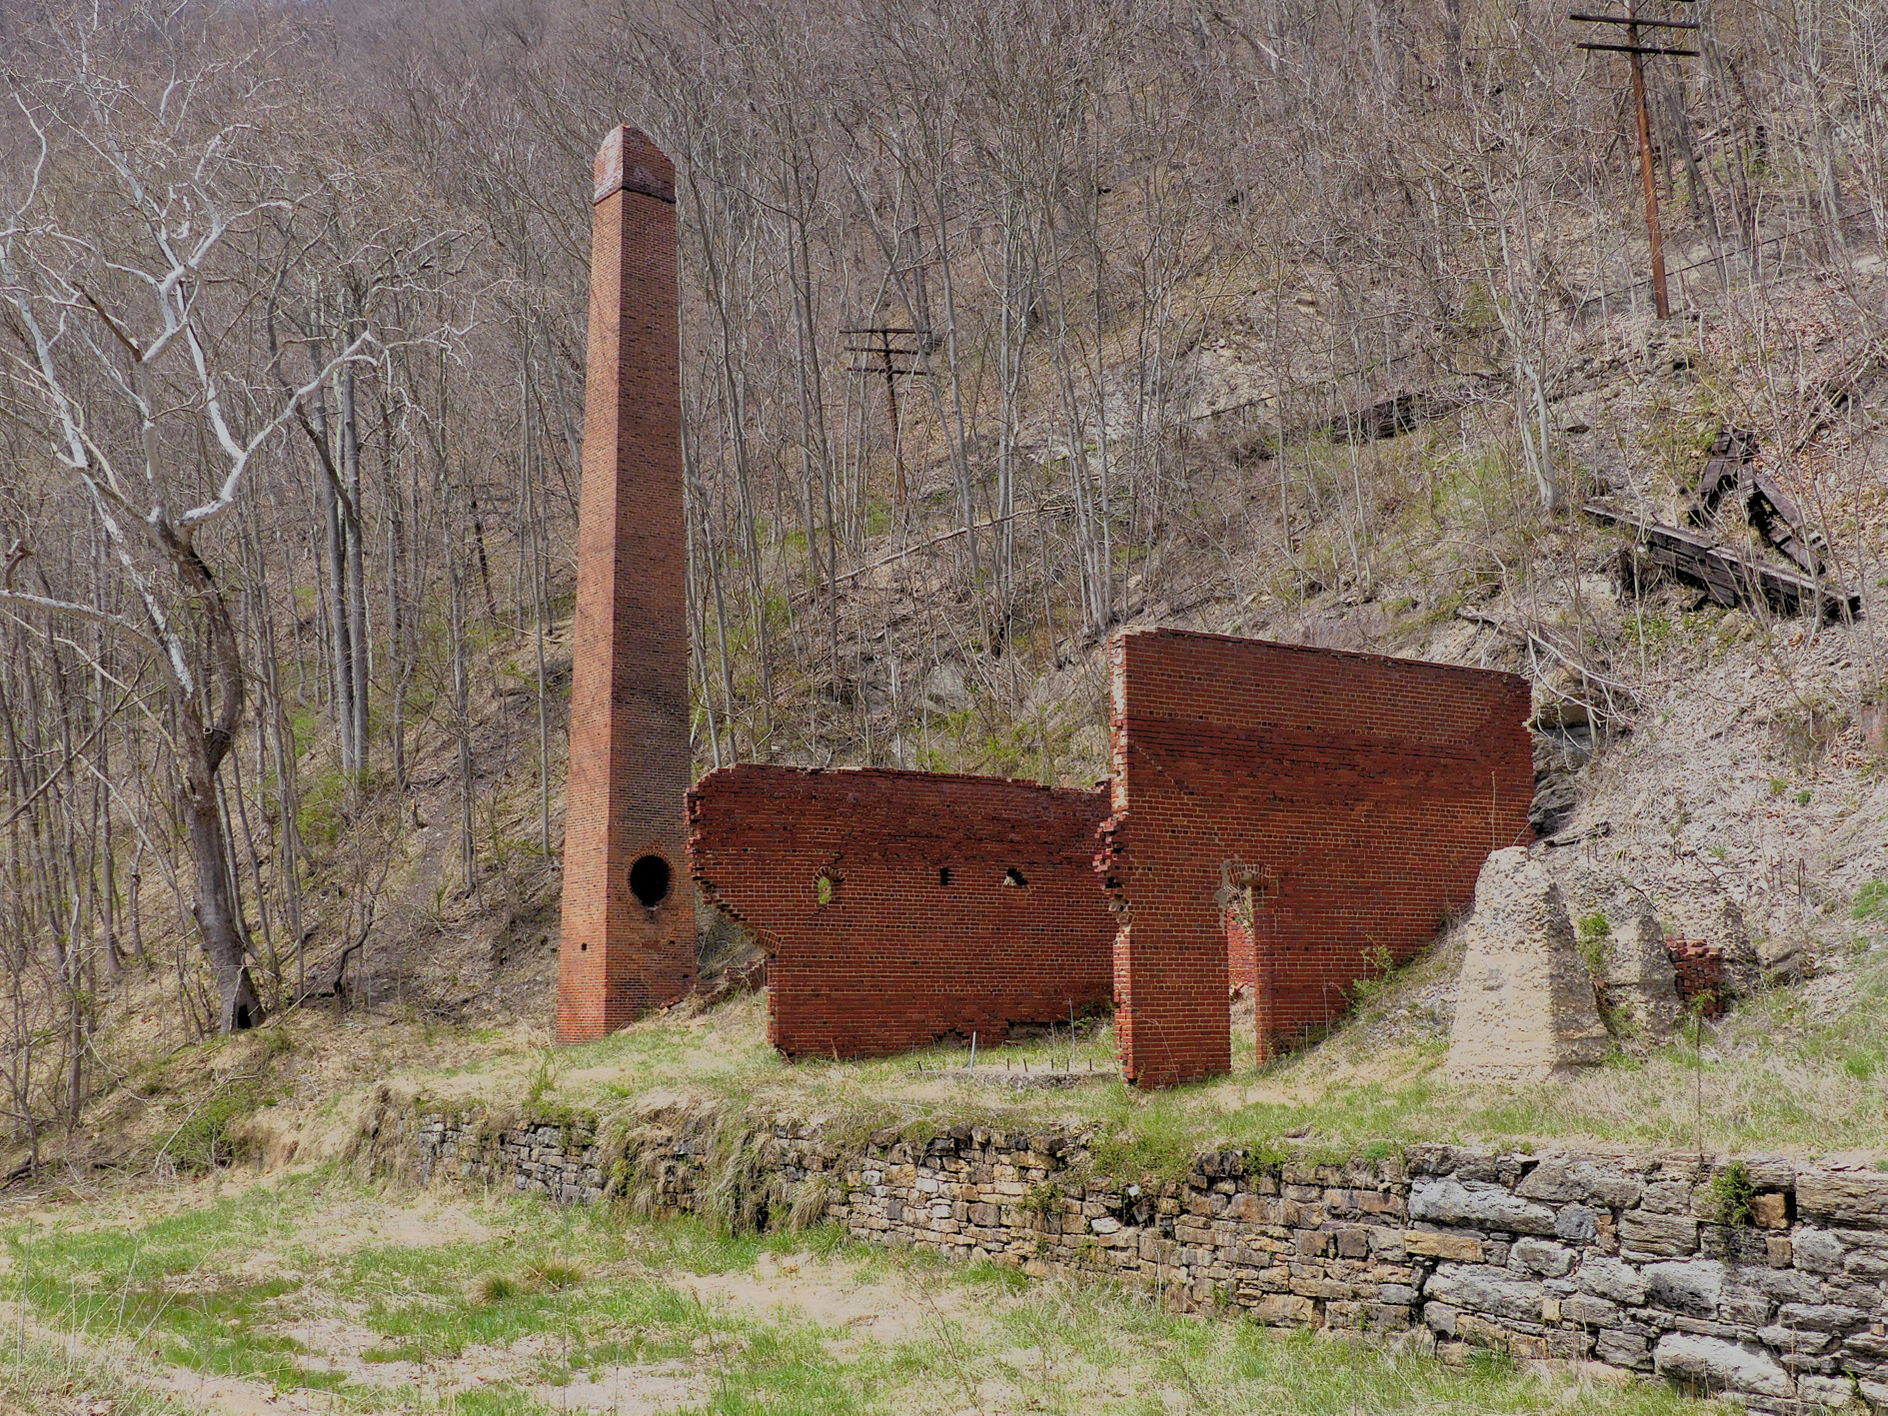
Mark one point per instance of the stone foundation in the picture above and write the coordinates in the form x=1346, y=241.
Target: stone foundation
x=1613, y=1259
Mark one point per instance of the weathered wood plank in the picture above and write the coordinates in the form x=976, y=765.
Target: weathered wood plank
x=1727, y=576
x=1770, y=509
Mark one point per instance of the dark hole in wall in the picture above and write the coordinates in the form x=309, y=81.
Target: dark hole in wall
x=943, y=875
x=1013, y=876
x=649, y=880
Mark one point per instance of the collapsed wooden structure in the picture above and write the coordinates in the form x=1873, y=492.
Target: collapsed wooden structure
x=1730, y=575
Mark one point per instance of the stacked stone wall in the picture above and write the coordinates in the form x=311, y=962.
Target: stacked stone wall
x=1621, y=1260
x=897, y=907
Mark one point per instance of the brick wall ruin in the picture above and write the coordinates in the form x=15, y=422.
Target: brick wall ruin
x=1701, y=979
x=1242, y=947
x=1343, y=803
x=897, y=907
x=1285, y=814
x=628, y=934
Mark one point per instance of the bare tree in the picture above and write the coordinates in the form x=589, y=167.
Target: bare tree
x=112, y=261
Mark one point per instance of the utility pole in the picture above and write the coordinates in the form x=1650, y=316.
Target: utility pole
x=882, y=356
x=1635, y=53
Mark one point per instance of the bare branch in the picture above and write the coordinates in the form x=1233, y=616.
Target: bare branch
x=117, y=623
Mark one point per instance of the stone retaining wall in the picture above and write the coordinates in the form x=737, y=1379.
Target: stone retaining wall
x=1604, y=1258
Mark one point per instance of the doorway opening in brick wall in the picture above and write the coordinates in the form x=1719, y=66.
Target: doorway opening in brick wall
x=649, y=880
x=1249, y=896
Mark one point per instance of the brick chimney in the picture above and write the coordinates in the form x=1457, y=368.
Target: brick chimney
x=628, y=941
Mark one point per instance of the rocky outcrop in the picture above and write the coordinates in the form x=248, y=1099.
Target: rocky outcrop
x=1525, y=1009
x=1564, y=742
x=1628, y=946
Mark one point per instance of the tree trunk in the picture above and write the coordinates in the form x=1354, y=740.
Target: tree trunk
x=205, y=745
x=241, y=1008
x=355, y=569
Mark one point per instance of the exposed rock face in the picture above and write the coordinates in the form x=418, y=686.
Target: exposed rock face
x=1564, y=742
x=1711, y=1364
x=1525, y=1009
x=1640, y=981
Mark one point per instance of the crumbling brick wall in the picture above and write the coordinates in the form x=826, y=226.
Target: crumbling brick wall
x=897, y=907
x=628, y=932
x=1698, y=970
x=1344, y=802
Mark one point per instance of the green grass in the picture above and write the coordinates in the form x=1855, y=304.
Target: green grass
x=1730, y=1194
x=38, y=1376
x=1775, y=1077
x=175, y=1287
x=591, y=1295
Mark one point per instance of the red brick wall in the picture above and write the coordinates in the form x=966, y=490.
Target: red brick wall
x=1242, y=946
x=896, y=958
x=629, y=738
x=1355, y=796
x=1699, y=974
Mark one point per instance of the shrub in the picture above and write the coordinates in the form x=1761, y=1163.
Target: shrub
x=553, y=1275
x=203, y=1141
x=495, y=1288
x=1729, y=1197
x=543, y=1080
x=1592, y=934
x=1042, y=1198
x=1366, y=987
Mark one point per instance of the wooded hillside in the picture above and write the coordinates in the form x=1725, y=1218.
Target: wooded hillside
x=1318, y=319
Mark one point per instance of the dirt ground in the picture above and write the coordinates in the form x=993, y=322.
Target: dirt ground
x=306, y=1292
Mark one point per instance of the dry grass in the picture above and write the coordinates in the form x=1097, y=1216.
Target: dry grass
x=1801, y=1070
x=246, y=1304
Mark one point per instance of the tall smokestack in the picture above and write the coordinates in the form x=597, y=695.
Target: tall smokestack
x=628, y=942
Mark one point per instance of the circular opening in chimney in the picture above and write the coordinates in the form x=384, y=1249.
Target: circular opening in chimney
x=649, y=880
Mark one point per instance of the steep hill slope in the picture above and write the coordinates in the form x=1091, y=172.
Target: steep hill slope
x=1725, y=760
